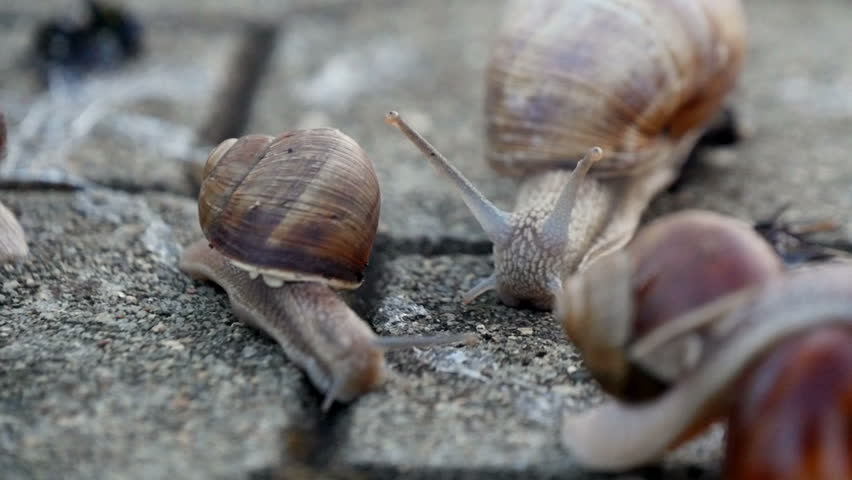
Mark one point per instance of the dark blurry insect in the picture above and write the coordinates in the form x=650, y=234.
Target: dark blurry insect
x=107, y=39
x=697, y=321
x=795, y=242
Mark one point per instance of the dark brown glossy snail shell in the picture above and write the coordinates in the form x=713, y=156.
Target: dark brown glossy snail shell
x=674, y=266
x=302, y=206
x=792, y=416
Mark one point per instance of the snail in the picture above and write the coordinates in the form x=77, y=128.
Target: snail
x=285, y=218
x=13, y=241
x=640, y=80
x=674, y=265
x=689, y=319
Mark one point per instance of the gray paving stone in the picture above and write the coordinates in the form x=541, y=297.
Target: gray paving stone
x=133, y=129
x=118, y=366
x=495, y=406
x=795, y=94
x=347, y=70
x=115, y=365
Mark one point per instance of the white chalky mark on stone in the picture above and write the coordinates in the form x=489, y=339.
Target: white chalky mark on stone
x=354, y=70
x=173, y=344
x=272, y=281
x=399, y=310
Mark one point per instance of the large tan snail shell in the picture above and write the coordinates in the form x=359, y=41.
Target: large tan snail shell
x=302, y=206
x=635, y=77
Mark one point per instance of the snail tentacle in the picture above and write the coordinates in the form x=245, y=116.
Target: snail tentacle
x=555, y=230
x=494, y=222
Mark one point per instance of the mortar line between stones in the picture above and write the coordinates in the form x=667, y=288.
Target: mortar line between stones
x=236, y=96
x=425, y=246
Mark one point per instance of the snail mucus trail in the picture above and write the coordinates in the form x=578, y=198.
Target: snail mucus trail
x=300, y=211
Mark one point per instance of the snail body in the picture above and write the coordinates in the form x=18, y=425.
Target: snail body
x=296, y=315
x=300, y=211
x=702, y=333
x=628, y=85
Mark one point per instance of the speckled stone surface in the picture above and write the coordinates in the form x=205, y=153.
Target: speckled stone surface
x=113, y=364
x=117, y=364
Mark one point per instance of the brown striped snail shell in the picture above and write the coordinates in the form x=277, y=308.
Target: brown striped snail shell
x=302, y=206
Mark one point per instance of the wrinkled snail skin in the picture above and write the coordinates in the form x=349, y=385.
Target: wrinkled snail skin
x=780, y=309
x=316, y=329
x=13, y=240
x=792, y=417
x=688, y=265
x=627, y=85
